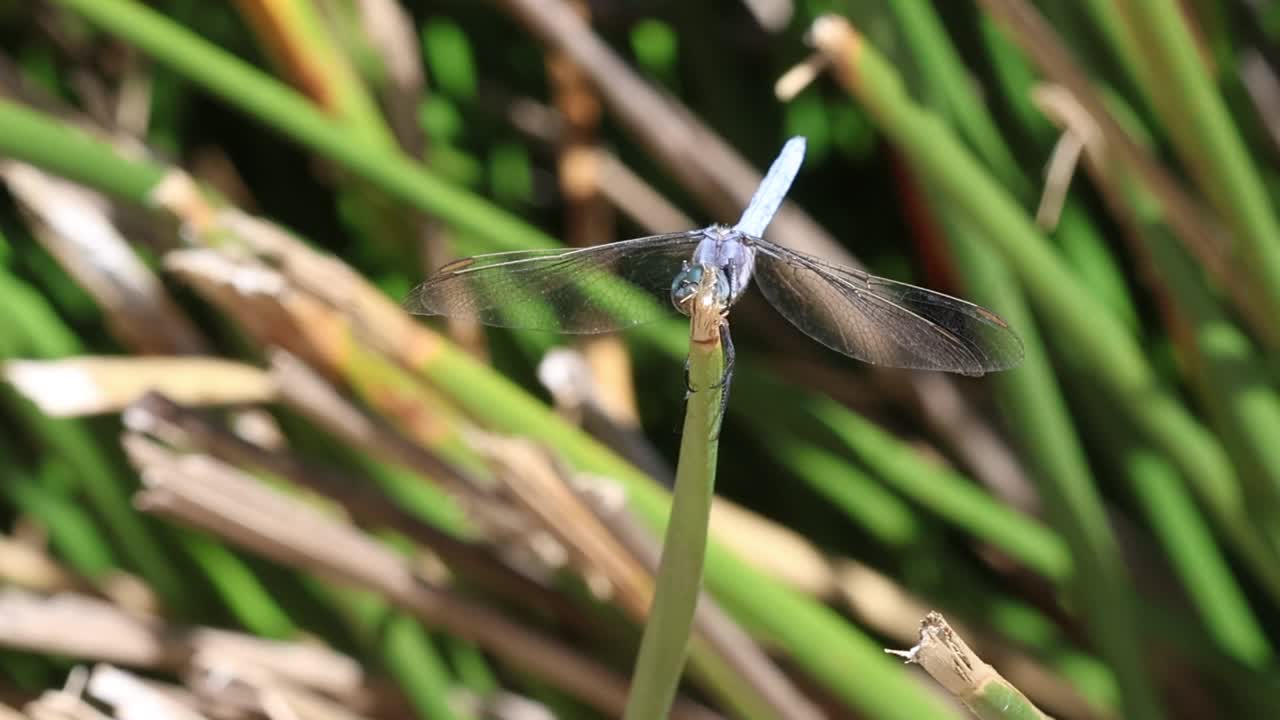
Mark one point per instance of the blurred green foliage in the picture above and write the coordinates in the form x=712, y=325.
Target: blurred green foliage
x=1144, y=424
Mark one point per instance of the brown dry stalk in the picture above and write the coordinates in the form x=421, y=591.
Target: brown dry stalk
x=95, y=385
x=537, y=485
x=160, y=417
x=273, y=22
x=131, y=696
x=32, y=569
x=208, y=494
x=29, y=568
x=73, y=224
x=950, y=661
x=88, y=628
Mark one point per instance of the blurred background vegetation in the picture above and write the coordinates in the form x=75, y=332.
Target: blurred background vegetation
x=238, y=481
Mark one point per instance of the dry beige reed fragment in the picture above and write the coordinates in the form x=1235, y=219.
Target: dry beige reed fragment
x=92, y=385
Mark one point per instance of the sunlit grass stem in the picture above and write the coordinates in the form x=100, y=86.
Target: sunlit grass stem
x=666, y=635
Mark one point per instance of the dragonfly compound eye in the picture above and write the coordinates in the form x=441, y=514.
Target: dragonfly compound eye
x=685, y=286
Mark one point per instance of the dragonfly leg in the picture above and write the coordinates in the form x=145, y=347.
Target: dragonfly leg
x=730, y=356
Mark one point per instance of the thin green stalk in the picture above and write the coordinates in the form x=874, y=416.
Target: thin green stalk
x=470, y=665
x=1195, y=558
x=62, y=149
x=1105, y=16
x=1015, y=78
x=863, y=499
x=1205, y=138
x=72, y=532
x=415, y=662
x=400, y=644
x=249, y=601
x=665, y=643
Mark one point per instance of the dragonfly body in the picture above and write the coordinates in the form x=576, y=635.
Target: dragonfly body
x=721, y=251
x=610, y=287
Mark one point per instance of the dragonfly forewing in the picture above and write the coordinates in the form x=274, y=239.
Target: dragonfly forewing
x=575, y=291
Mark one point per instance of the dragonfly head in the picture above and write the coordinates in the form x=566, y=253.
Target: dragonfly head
x=689, y=282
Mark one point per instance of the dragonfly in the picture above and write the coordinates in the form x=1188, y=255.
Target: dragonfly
x=614, y=286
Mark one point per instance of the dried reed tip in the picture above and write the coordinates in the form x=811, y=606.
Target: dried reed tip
x=794, y=81
x=58, y=389
x=92, y=384
x=580, y=172
x=829, y=32
x=179, y=194
x=213, y=265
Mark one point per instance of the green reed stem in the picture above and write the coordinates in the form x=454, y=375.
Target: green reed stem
x=1206, y=138
x=666, y=635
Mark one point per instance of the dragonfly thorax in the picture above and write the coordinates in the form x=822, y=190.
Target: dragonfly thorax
x=723, y=252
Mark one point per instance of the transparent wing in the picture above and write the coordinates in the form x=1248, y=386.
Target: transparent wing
x=881, y=321
x=576, y=291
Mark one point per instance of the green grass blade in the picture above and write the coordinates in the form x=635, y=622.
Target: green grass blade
x=946, y=492
x=1189, y=546
x=1206, y=139
x=1031, y=397
x=941, y=67
x=33, y=137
